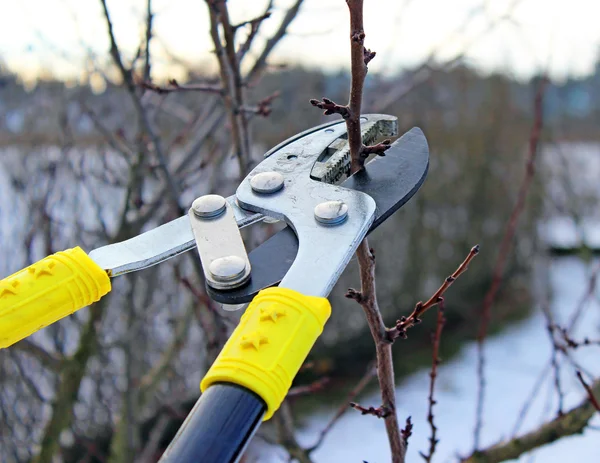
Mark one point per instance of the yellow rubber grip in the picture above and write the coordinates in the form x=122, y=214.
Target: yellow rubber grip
x=268, y=347
x=47, y=291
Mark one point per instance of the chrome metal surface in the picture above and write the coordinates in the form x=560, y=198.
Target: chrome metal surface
x=331, y=212
x=323, y=251
x=175, y=237
x=209, y=206
x=267, y=182
x=221, y=249
x=334, y=163
x=227, y=268
x=159, y=244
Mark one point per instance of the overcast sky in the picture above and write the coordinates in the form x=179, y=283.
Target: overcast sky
x=562, y=37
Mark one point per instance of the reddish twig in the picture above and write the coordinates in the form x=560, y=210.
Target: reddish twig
x=554, y=361
x=308, y=388
x=378, y=149
x=380, y=412
x=503, y=253
x=436, y=337
x=263, y=107
x=329, y=107
x=364, y=381
x=402, y=325
x=588, y=389
x=406, y=432
x=173, y=86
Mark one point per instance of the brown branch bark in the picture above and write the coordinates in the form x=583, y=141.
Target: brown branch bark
x=572, y=422
x=504, y=251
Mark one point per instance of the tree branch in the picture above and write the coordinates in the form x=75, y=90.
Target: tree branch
x=504, y=252
x=261, y=61
x=572, y=422
x=173, y=87
x=414, y=318
x=589, y=390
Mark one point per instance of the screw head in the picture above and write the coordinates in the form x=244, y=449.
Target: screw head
x=209, y=206
x=227, y=269
x=331, y=212
x=267, y=182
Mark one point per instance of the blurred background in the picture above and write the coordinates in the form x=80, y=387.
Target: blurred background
x=115, y=115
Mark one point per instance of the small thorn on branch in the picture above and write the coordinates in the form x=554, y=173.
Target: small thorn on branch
x=379, y=412
x=378, y=149
x=354, y=294
x=368, y=55
x=329, y=107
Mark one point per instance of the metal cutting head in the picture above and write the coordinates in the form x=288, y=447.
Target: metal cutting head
x=309, y=255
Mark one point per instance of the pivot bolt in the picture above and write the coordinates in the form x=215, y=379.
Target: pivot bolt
x=267, y=182
x=331, y=212
x=227, y=269
x=209, y=206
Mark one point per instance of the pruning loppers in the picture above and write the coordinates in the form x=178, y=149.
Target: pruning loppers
x=287, y=278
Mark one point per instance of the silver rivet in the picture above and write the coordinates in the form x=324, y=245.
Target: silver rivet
x=267, y=182
x=225, y=269
x=209, y=206
x=331, y=212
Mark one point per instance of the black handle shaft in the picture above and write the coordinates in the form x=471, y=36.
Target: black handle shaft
x=218, y=428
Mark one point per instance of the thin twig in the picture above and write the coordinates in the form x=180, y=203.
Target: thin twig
x=363, y=383
x=554, y=361
x=407, y=431
x=174, y=87
x=404, y=323
x=436, y=338
x=588, y=389
x=503, y=253
x=261, y=61
x=315, y=386
x=379, y=412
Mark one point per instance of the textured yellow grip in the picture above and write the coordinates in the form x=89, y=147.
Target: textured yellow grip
x=47, y=291
x=268, y=347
